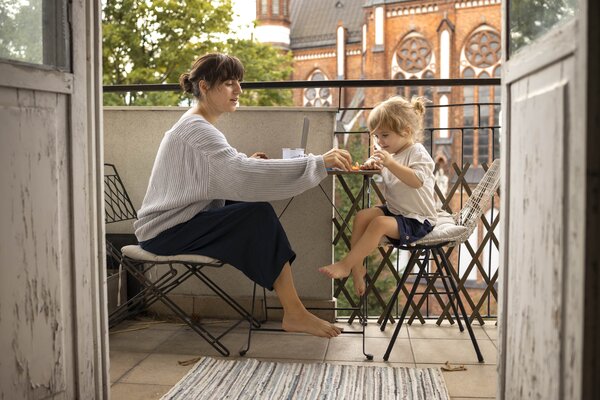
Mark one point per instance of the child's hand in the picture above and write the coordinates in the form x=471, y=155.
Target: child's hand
x=383, y=156
x=371, y=163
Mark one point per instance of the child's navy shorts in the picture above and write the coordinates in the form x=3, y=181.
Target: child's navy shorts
x=409, y=229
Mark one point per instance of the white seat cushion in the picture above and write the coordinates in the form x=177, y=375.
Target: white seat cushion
x=445, y=230
x=135, y=252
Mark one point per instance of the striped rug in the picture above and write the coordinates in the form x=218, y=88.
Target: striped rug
x=213, y=378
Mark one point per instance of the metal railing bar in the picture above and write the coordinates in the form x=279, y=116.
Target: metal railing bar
x=350, y=83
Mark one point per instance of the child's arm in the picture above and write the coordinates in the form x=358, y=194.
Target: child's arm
x=402, y=172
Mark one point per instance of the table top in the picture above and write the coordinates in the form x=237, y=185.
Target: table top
x=354, y=172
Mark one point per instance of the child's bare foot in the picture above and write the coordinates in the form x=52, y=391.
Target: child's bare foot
x=358, y=276
x=306, y=322
x=336, y=271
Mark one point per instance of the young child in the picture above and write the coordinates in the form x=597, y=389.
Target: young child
x=407, y=172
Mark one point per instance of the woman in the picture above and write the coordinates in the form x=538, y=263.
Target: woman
x=185, y=209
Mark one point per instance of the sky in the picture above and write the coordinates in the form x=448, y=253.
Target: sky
x=244, y=12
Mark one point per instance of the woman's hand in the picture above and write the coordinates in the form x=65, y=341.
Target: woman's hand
x=260, y=155
x=338, y=158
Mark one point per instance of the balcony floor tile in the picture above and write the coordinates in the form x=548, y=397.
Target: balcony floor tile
x=144, y=362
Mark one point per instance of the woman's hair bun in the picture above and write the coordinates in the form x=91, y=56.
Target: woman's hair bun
x=186, y=84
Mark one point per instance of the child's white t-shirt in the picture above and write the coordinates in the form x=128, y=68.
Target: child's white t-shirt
x=405, y=200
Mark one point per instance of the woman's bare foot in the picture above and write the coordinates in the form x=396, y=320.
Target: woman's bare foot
x=358, y=277
x=336, y=271
x=305, y=322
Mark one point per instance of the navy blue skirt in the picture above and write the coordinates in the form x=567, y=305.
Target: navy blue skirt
x=409, y=229
x=246, y=235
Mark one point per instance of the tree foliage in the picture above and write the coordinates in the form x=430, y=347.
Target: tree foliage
x=156, y=41
x=21, y=31
x=263, y=63
x=529, y=19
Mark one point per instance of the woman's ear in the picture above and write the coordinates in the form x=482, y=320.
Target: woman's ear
x=202, y=86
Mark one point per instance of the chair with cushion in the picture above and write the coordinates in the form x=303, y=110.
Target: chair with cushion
x=157, y=275
x=449, y=231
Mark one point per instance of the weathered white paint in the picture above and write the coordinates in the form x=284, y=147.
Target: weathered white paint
x=542, y=266
x=51, y=320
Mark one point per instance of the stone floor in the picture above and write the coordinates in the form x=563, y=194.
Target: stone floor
x=144, y=355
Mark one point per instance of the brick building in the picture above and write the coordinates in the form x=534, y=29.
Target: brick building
x=397, y=39
x=403, y=39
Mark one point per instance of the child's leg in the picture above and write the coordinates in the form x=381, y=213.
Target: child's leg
x=361, y=222
x=377, y=228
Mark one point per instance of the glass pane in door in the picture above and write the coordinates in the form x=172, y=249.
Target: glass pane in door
x=530, y=19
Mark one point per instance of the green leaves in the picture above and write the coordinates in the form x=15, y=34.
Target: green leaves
x=263, y=63
x=156, y=41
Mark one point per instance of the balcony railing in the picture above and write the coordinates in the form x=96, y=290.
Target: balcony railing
x=462, y=133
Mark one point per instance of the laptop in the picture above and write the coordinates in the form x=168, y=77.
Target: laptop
x=304, y=139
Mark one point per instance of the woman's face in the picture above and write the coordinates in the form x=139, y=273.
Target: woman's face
x=224, y=97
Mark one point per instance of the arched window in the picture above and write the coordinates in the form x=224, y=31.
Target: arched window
x=483, y=48
x=480, y=58
x=275, y=7
x=399, y=89
x=483, y=135
x=468, y=118
x=317, y=97
x=264, y=7
x=497, y=120
x=414, y=53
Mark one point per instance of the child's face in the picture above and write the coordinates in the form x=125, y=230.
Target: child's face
x=391, y=142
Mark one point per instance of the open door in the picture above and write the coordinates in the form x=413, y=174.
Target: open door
x=53, y=336
x=544, y=156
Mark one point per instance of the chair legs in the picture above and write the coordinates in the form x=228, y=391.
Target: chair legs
x=442, y=264
x=445, y=265
x=158, y=289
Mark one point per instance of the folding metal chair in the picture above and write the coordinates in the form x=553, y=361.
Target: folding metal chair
x=142, y=265
x=431, y=248
x=117, y=208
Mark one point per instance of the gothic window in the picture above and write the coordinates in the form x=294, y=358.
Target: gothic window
x=264, y=7
x=275, y=7
x=483, y=136
x=317, y=97
x=480, y=58
x=483, y=48
x=414, y=53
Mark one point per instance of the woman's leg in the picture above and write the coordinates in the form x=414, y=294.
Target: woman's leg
x=296, y=317
x=368, y=241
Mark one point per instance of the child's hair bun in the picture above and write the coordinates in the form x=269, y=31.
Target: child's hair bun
x=418, y=104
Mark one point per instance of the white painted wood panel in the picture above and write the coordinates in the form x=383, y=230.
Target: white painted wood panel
x=34, y=255
x=536, y=234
